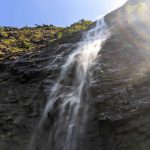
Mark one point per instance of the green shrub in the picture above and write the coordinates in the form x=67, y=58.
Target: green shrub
x=14, y=50
x=24, y=42
x=3, y=34
x=37, y=37
x=2, y=47
x=9, y=42
x=14, y=40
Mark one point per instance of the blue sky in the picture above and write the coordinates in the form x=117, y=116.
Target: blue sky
x=58, y=12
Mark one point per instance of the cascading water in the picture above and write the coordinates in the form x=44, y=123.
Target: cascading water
x=64, y=123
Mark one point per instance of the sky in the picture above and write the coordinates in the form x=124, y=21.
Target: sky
x=20, y=13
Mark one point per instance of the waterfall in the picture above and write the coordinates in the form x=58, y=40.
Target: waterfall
x=62, y=125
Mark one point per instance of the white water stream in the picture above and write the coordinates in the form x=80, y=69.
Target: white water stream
x=67, y=109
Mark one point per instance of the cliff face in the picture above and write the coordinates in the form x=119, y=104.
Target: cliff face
x=24, y=87
x=119, y=88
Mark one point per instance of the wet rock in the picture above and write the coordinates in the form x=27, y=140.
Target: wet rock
x=25, y=85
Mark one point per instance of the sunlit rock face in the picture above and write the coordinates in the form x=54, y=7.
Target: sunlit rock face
x=121, y=77
x=119, y=86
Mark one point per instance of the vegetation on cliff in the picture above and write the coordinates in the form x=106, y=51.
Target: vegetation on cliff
x=14, y=41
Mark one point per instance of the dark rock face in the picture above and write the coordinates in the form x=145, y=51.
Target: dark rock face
x=25, y=85
x=120, y=87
